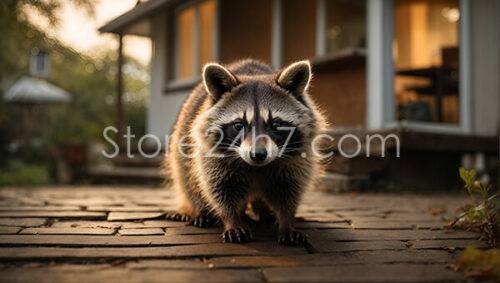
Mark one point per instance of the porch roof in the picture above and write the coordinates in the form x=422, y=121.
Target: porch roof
x=135, y=20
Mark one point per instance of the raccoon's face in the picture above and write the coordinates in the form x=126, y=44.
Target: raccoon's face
x=259, y=118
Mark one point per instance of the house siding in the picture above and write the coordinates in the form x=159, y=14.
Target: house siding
x=163, y=108
x=484, y=74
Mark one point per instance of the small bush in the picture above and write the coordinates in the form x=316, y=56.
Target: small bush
x=19, y=174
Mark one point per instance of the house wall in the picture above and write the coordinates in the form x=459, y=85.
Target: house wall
x=484, y=87
x=163, y=108
x=340, y=93
x=245, y=30
x=485, y=45
x=299, y=30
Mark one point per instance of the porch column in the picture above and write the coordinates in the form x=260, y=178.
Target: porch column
x=119, y=92
x=321, y=22
x=277, y=34
x=380, y=66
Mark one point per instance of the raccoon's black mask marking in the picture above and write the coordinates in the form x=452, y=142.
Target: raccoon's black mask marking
x=230, y=136
x=276, y=129
x=280, y=135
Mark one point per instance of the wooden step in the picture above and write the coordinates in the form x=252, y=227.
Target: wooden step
x=148, y=175
x=357, y=165
x=122, y=160
x=146, y=148
x=335, y=182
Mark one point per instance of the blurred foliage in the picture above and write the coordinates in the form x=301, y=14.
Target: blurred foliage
x=18, y=34
x=17, y=173
x=91, y=81
x=483, y=214
x=479, y=264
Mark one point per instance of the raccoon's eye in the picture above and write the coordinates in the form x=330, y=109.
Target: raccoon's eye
x=276, y=124
x=238, y=125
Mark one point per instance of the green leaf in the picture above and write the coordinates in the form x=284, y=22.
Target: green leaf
x=463, y=174
x=472, y=176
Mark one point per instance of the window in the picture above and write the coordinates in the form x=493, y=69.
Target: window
x=40, y=63
x=425, y=51
x=207, y=27
x=195, y=31
x=345, y=25
x=185, y=43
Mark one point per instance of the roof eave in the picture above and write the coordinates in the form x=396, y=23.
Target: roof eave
x=121, y=23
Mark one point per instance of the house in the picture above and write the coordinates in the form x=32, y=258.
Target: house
x=425, y=70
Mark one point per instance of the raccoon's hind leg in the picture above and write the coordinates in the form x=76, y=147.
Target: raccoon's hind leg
x=287, y=233
x=283, y=199
x=201, y=219
x=261, y=208
x=185, y=210
x=234, y=231
x=197, y=209
x=177, y=216
x=200, y=216
x=229, y=194
x=204, y=219
x=193, y=208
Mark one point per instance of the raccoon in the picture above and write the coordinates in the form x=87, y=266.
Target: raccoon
x=245, y=134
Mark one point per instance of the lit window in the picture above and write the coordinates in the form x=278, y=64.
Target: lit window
x=206, y=30
x=185, y=43
x=426, y=60
x=194, y=39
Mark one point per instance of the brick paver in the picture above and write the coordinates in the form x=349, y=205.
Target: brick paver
x=104, y=234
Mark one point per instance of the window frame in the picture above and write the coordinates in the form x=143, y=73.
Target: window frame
x=175, y=82
x=380, y=72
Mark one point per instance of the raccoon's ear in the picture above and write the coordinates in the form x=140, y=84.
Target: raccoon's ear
x=295, y=78
x=218, y=80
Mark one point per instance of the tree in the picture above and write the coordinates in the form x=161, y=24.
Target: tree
x=91, y=81
x=19, y=36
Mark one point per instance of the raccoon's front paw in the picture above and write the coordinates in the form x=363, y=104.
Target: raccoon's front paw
x=203, y=220
x=177, y=216
x=236, y=235
x=292, y=238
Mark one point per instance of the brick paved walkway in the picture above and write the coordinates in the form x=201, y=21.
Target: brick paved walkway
x=100, y=234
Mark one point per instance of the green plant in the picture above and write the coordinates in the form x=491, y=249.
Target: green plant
x=473, y=186
x=482, y=215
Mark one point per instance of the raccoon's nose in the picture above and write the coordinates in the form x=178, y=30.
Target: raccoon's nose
x=258, y=155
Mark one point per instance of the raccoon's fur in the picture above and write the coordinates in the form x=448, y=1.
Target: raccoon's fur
x=244, y=104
